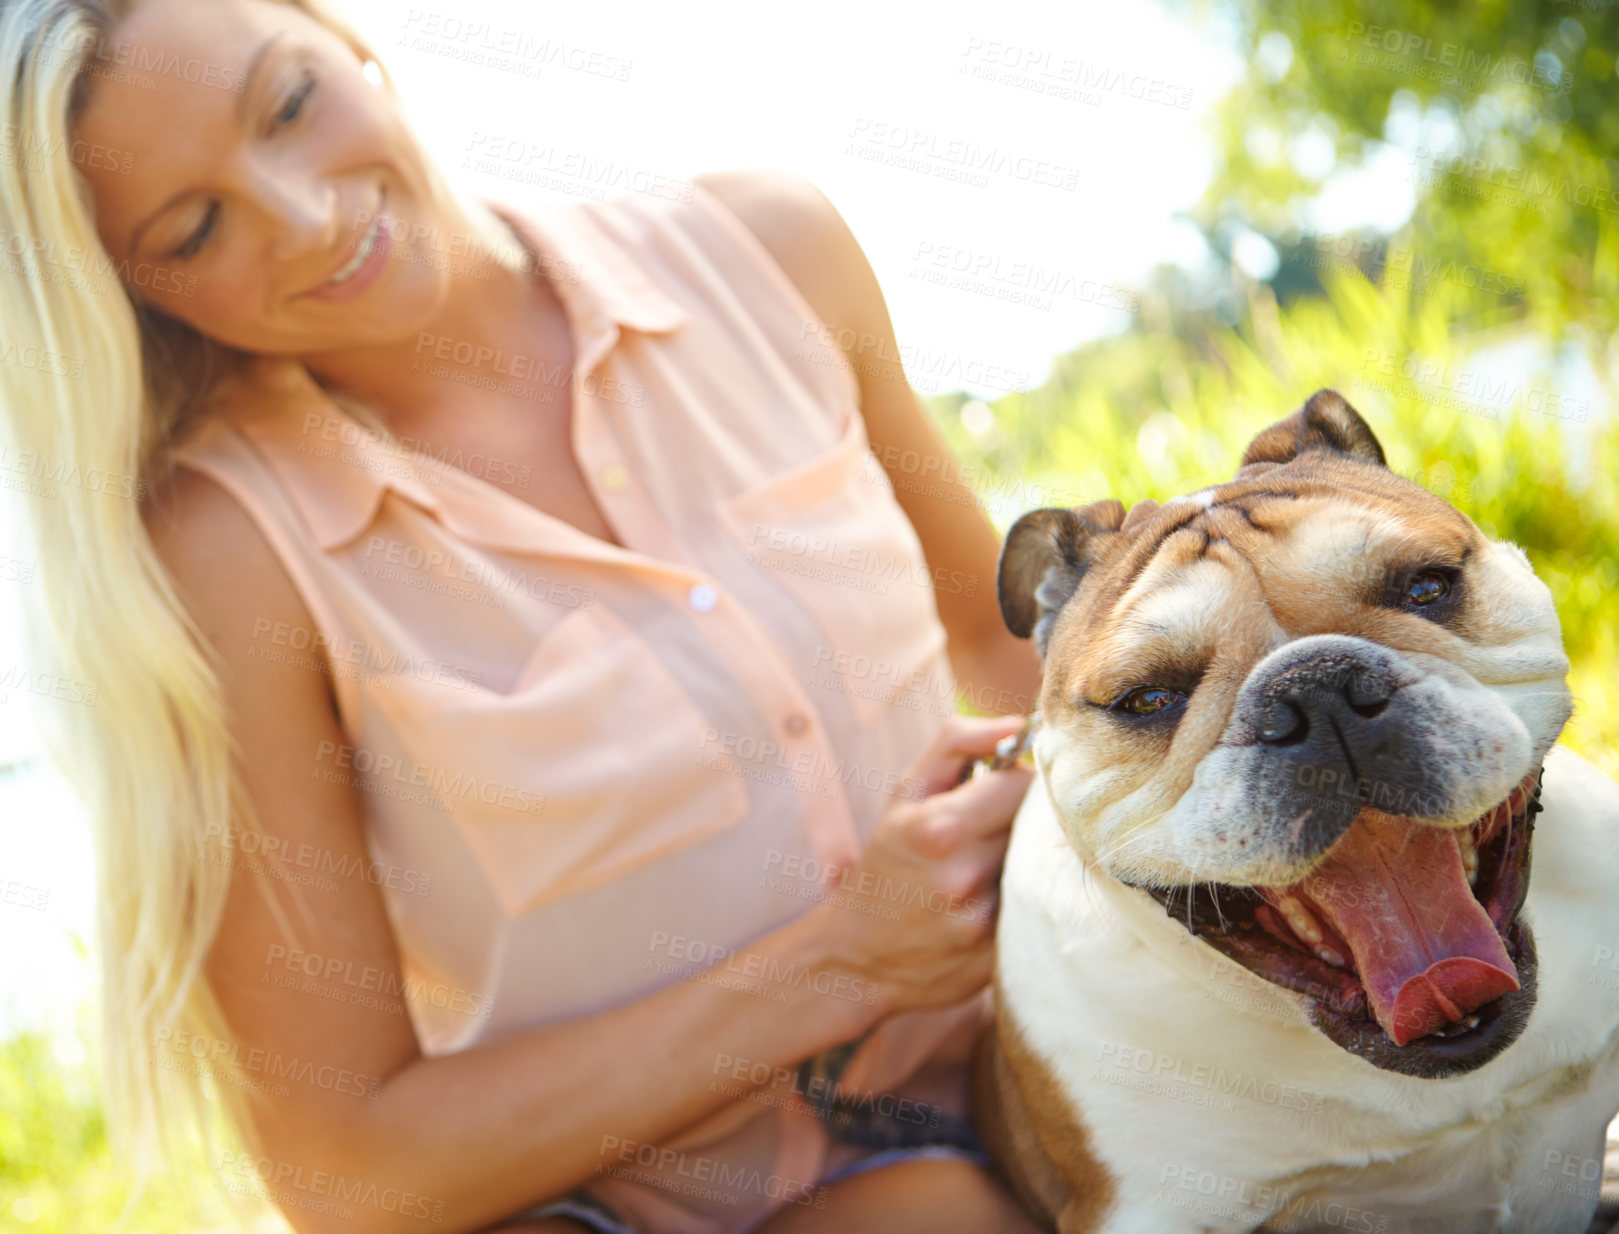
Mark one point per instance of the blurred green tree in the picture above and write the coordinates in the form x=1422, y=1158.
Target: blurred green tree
x=1500, y=120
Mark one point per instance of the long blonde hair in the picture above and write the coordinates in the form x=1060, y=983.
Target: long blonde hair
x=93, y=397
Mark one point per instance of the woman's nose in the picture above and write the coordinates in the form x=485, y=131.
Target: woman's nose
x=305, y=219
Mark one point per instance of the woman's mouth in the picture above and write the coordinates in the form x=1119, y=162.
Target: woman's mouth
x=364, y=264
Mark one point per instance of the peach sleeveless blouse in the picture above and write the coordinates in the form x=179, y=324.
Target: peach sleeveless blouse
x=589, y=771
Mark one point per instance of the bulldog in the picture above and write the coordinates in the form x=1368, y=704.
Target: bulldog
x=1269, y=956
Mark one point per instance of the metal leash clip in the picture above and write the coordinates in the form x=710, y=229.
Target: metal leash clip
x=1007, y=751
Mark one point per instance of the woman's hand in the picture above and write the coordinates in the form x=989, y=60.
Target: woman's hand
x=922, y=921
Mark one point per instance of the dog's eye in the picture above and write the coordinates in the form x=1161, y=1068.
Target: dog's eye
x=1427, y=588
x=1149, y=700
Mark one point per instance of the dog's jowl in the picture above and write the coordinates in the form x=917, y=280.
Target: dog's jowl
x=1270, y=954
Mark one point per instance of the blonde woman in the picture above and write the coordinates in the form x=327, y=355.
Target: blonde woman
x=523, y=763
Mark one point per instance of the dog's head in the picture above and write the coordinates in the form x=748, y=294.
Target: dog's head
x=1306, y=709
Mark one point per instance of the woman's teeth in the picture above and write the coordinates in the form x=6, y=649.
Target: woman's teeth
x=354, y=263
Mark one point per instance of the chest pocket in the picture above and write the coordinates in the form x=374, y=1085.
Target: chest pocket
x=594, y=765
x=832, y=533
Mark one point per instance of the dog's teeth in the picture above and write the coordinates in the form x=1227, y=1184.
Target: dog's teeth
x=1300, y=921
x=1330, y=956
x=1465, y=842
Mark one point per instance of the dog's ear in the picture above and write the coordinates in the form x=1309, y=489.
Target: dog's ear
x=1327, y=422
x=1045, y=555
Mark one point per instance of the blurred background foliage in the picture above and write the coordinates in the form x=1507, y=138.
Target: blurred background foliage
x=1476, y=335
x=58, y=1173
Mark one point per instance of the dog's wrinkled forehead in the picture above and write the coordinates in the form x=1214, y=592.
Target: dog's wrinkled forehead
x=1312, y=510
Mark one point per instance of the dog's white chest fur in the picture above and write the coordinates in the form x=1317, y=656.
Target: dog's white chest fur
x=1217, y=1107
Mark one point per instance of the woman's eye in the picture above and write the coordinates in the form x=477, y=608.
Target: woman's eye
x=1426, y=588
x=295, y=103
x=1149, y=700
x=194, y=242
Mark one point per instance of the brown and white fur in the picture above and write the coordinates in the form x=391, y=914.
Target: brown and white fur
x=1141, y=1081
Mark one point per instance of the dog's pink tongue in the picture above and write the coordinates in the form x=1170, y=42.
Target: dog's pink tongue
x=1425, y=948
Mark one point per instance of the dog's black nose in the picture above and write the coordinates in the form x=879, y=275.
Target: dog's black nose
x=1325, y=691
x=1327, y=710
x=1324, y=727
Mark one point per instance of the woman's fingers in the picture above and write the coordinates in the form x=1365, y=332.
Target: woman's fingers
x=961, y=739
x=980, y=809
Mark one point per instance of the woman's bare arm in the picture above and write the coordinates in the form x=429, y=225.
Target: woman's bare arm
x=481, y=1133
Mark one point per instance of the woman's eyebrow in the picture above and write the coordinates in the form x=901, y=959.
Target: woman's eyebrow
x=259, y=58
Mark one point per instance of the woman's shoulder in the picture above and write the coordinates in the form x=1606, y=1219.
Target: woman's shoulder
x=217, y=554
x=799, y=227
x=745, y=213
x=785, y=211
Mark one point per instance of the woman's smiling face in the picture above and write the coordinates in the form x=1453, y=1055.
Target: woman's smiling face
x=262, y=157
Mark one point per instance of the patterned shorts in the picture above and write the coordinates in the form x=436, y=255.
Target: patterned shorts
x=890, y=1140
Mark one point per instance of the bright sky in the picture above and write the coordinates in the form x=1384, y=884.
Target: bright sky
x=1088, y=121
